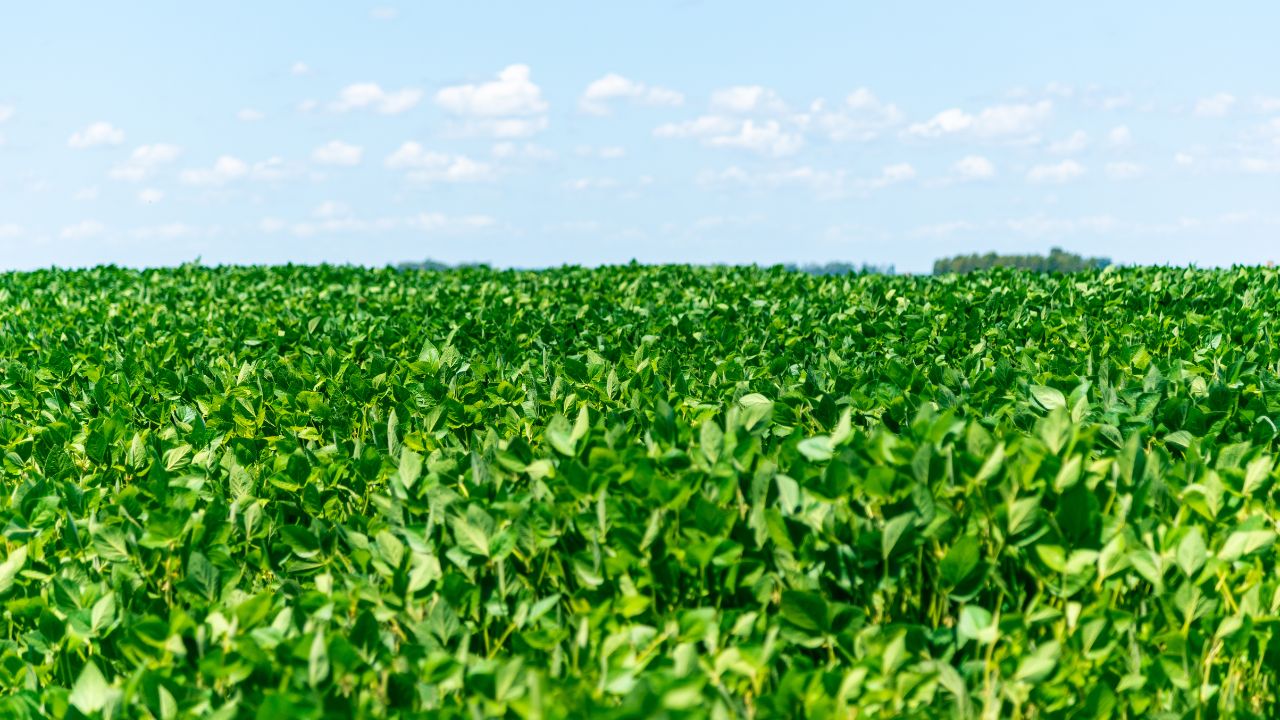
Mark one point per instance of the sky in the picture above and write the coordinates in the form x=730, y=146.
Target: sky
x=537, y=134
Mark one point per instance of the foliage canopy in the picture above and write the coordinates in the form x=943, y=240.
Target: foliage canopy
x=638, y=492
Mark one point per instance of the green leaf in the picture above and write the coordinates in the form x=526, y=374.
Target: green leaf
x=1047, y=397
x=91, y=691
x=806, y=610
x=410, y=468
x=961, y=560
x=817, y=449
x=1192, y=552
x=472, y=538
x=893, y=530
x=11, y=566
x=560, y=435
x=757, y=411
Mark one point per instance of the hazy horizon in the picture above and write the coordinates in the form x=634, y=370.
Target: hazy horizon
x=687, y=132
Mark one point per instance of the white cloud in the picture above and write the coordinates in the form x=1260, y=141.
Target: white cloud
x=596, y=98
x=332, y=218
x=384, y=12
x=99, y=133
x=434, y=222
x=1120, y=136
x=507, y=150
x=1123, y=170
x=512, y=94
x=150, y=196
x=300, y=68
x=862, y=116
x=592, y=183
x=9, y=231
x=225, y=169
x=1259, y=165
x=893, y=174
x=974, y=167
x=86, y=194
x=331, y=208
x=1183, y=159
x=743, y=99
x=827, y=183
x=992, y=122
x=1074, y=143
x=428, y=166
x=143, y=162
x=510, y=107
x=249, y=115
x=1267, y=104
x=1215, y=105
x=766, y=137
x=372, y=96
x=6, y=112
x=82, y=230
x=1056, y=173
x=336, y=152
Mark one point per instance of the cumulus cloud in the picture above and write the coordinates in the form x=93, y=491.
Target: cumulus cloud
x=1120, y=136
x=384, y=12
x=1074, y=143
x=82, y=230
x=99, y=133
x=6, y=112
x=825, y=183
x=143, y=162
x=744, y=99
x=974, y=167
x=150, y=196
x=510, y=106
x=336, y=152
x=993, y=122
x=893, y=174
x=862, y=116
x=1123, y=170
x=249, y=115
x=1215, y=105
x=766, y=137
x=9, y=231
x=225, y=169
x=427, y=166
x=592, y=183
x=507, y=150
x=1056, y=173
x=299, y=68
x=513, y=93
x=372, y=96
x=596, y=98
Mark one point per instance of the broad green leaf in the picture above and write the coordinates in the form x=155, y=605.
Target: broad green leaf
x=1047, y=397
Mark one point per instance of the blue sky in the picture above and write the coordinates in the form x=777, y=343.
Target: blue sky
x=522, y=134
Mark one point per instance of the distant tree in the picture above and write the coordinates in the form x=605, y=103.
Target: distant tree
x=430, y=264
x=1057, y=260
x=841, y=268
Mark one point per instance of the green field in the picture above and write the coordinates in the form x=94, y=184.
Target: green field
x=633, y=492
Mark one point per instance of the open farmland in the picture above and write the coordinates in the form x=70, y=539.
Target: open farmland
x=722, y=492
